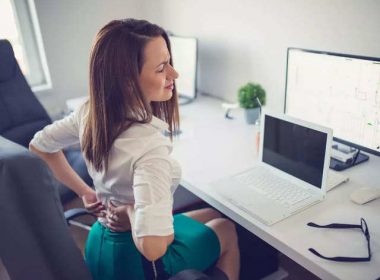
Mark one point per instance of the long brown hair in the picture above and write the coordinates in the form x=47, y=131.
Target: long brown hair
x=116, y=100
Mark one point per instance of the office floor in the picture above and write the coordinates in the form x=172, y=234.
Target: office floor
x=294, y=271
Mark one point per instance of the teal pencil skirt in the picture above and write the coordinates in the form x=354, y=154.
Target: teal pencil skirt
x=113, y=255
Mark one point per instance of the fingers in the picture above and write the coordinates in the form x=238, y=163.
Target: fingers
x=122, y=209
x=116, y=222
x=111, y=203
x=112, y=216
x=117, y=217
x=91, y=206
x=112, y=207
x=115, y=226
x=100, y=214
x=95, y=207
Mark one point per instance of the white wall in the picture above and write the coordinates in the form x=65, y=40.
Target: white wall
x=246, y=40
x=68, y=28
x=240, y=41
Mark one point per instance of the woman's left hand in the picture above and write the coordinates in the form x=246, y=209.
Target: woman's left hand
x=117, y=218
x=92, y=204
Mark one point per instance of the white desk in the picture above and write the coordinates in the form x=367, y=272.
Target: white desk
x=212, y=147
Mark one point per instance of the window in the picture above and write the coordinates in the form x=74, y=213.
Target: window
x=19, y=25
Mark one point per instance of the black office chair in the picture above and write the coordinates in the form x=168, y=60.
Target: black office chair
x=35, y=242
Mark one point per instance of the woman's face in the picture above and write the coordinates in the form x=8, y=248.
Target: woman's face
x=157, y=75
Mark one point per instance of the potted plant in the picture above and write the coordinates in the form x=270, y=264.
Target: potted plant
x=251, y=97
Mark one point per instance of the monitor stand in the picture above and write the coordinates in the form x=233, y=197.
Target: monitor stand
x=340, y=165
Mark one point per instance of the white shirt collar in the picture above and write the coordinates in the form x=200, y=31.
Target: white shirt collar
x=159, y=124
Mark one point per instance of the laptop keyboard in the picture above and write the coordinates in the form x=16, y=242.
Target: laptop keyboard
x=272, y=186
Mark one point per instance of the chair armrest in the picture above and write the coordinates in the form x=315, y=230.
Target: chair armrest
x=76, y=212
x=71, y=214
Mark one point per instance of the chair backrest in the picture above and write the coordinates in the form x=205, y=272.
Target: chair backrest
x=21, y=114
x=35, y=242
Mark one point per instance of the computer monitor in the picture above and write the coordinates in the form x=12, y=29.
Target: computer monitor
x=184, y=53
x=339, y=91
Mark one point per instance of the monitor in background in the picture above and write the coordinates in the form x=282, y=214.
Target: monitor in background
x=338, y=91
x=184, y=52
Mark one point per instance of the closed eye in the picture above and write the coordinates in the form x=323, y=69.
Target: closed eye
x=161, y=68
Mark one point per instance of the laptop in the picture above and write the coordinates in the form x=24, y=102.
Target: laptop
x=291, y=173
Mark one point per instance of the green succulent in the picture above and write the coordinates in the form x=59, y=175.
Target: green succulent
x=247, y=96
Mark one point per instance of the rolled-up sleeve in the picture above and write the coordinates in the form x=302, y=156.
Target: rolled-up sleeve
x=58, y=135
x=153, y=198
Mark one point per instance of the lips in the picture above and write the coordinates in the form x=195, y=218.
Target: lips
x=170, y=86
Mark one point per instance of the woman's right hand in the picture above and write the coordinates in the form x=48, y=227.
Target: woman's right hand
x=118, y=217
x=93, y=205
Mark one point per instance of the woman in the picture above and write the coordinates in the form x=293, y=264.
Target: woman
x=133, y=100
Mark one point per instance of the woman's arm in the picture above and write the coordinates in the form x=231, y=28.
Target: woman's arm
x=151, y=247
x=62, y=170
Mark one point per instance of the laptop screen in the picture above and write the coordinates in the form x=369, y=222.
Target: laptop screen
x=295, y=149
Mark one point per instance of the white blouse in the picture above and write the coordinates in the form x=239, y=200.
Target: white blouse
x=140, y=170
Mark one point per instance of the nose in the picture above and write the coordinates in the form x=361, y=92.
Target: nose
x=172, y=74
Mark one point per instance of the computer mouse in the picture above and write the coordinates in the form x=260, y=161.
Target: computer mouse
x=365, y=194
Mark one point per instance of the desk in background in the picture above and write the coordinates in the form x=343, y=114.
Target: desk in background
x=211, y=147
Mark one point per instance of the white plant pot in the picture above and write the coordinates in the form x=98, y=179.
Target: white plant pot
x=251, y=115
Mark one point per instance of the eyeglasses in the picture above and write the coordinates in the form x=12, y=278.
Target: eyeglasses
x=363, y=226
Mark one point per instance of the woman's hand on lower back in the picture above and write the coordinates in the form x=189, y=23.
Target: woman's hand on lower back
x=117, y=217
x=93, y=205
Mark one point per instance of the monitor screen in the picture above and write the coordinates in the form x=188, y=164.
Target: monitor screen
x=295, y=149
x=184, y=53
x=338, y=91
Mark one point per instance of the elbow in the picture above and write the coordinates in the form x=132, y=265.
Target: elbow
x=151, y=255
x=33, y=149
x=36, y=151
x=153, y=248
